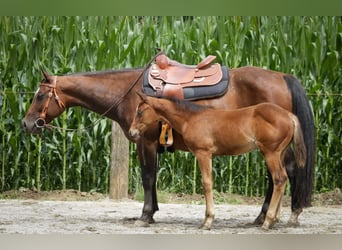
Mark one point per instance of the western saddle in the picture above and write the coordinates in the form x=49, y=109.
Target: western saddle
x=168, y=78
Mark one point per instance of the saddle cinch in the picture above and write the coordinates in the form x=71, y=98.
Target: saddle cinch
x=168, y=78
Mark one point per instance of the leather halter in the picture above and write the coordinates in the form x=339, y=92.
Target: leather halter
x=40, y=122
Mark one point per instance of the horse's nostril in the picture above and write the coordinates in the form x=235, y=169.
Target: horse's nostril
x=24, y=124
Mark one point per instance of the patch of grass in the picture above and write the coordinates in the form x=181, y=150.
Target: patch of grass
x=9, y=195
x=226, y=198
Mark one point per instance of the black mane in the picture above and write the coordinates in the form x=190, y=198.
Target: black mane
x=103, y=72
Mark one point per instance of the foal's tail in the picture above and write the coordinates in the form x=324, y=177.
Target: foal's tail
x=299, y=144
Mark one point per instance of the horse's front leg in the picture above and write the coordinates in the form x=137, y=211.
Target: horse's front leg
x=147, y=153
x=205, y=164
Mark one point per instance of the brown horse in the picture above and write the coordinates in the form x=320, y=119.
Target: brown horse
x=113, y=93
x=209, y=132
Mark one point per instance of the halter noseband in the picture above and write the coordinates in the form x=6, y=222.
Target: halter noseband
x=40, y=122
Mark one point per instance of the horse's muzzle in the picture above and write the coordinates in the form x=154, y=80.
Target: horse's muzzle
x=32, y=127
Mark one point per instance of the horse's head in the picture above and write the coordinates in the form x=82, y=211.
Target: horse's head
x=46, y=105
x=144, y=117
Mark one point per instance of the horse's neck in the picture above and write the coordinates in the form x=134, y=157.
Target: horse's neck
x=101, y=92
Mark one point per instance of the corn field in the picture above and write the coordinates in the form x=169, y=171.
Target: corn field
x=308, y=47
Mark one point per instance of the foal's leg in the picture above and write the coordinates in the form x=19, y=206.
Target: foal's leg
x=279, y=178
x=279, y=208
x=205, y=164
x=290, y=164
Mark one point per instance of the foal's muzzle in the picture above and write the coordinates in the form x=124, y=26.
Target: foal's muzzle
x=134, y=133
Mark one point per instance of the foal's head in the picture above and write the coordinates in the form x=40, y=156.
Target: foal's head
x=144, y=117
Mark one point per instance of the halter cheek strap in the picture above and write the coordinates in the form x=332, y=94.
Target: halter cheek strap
x=40, y=122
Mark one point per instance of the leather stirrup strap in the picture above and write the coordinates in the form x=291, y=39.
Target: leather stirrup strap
x=166, y=137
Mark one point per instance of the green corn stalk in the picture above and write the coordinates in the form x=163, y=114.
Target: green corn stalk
x=64, y=166
x=246, y=192
x=38, y=165
x=230, y=186
x=3, y=141
x=194, y=176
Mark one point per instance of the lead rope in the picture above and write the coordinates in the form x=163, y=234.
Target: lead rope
x=49, y=126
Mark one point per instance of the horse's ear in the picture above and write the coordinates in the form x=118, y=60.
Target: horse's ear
x=142, y=96
x=45, y=75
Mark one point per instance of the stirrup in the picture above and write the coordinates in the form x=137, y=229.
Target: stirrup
x=166, y=137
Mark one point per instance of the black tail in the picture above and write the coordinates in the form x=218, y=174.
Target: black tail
x=303, y=178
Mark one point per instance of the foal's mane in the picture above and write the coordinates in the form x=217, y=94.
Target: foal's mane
x=184, y=105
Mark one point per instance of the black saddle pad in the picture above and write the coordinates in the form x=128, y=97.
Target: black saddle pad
x=195, y=93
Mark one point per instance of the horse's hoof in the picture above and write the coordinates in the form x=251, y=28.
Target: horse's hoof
x=259, y=220
x=141, y=223
x=147, y=219
x=292, y=223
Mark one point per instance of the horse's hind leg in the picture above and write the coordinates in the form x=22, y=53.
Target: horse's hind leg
x=205, y=164
x=261, y=217
x=296, y=208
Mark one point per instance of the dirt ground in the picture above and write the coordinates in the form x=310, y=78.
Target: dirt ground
x=73, y=212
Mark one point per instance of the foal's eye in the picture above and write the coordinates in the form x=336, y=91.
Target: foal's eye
x=139, y=113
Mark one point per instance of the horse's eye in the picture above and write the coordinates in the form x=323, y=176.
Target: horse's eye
x=139, y=113
x=40, y=96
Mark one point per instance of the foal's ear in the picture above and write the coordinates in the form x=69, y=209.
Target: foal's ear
x=142, y=96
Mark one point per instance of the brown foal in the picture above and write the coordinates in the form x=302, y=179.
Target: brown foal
x=209, y=132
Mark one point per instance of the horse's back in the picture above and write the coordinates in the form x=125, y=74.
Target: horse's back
x=250, y=85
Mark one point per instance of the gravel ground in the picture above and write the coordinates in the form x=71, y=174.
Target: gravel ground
x=118, y=217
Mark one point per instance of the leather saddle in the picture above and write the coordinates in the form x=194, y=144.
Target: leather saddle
x=168, y=77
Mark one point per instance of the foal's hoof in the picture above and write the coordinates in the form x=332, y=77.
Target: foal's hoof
x=205, y=227
x=267, y=225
